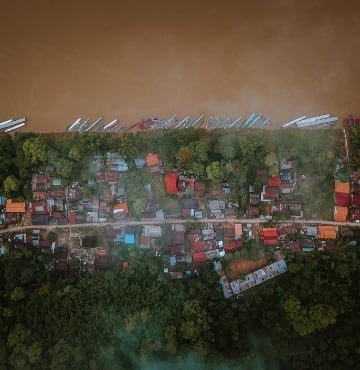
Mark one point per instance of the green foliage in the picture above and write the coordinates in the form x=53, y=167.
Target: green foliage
x=216, y=172
x=11, y=186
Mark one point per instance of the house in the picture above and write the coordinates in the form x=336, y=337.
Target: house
x=145, y=242
x=270, y=193
x=355, y=214
x=39, y=208
x=153, y=163
x=286, y=176
x=274, y=181
x=61, y=253
x=355, y=200
x=238, y=231
x=342, y=193
x=153, y=231
x=188, y=206
x=285, y=230
x=307, y=244
x=252, y=211
x=120, y=209
x=40, y=219
x=207, y=233
x=177, y=250
x=226, y=188
x=116, y=163
x=287, y=188
x=285, y=164
x=217, y=208
x=14, y=207
x=219, y=234
x=89, y=241
x=39, y=183
x=171, y=182
x=229, y=232
x=140, y=163
x=130, y=234
x=199, y=257
x=277, y=208
x=295, y=207
x=269, y=236
x=199, y=189
x=232, y=246
x=341, y=214
x=326, y=232
x=254, y=199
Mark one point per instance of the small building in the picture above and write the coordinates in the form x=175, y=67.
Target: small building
x=295, y=208
x=153, y=231
x=89, y=241
x=39, y=219
x=232, y=246
x=15, y=207
x=326, y=232
x=269, y=236
x=238, y=231
x=274, y=181
x=120, y=209
x=153, y=163
x=341, y=214
x=254, y=199
x=270, y=193
x=199, y=189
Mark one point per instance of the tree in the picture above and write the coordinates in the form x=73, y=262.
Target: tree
x=11, y=186
x=36, y=150
x=273, y=164
x=216, y=172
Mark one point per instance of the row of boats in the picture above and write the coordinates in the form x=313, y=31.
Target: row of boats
x=12, y=124
x=254, y=120
x=303, y=122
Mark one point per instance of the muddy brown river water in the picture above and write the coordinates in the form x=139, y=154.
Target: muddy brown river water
x=62, y=59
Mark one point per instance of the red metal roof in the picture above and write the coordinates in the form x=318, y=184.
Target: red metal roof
x=170, y=181
x=269, y=232
x=199, y=257
x=198, y=246
x=232, y=246
x=342, y=199
x=274, y=181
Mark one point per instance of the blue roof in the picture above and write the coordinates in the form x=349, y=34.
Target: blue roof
x=129, y=239
x=2, y=200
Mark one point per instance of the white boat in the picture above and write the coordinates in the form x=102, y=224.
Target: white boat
x=10, y=123
x=110, y=124
x=5, y=123
x=12, y=128
x=96, y=122
x=293, y=121
x=73, y=125
x=320, y=121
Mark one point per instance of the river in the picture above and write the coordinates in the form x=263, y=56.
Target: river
x=128, y=59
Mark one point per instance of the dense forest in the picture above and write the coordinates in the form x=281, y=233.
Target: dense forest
x=140, y=318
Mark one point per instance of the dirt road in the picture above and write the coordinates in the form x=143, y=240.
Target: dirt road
x=176, y=221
